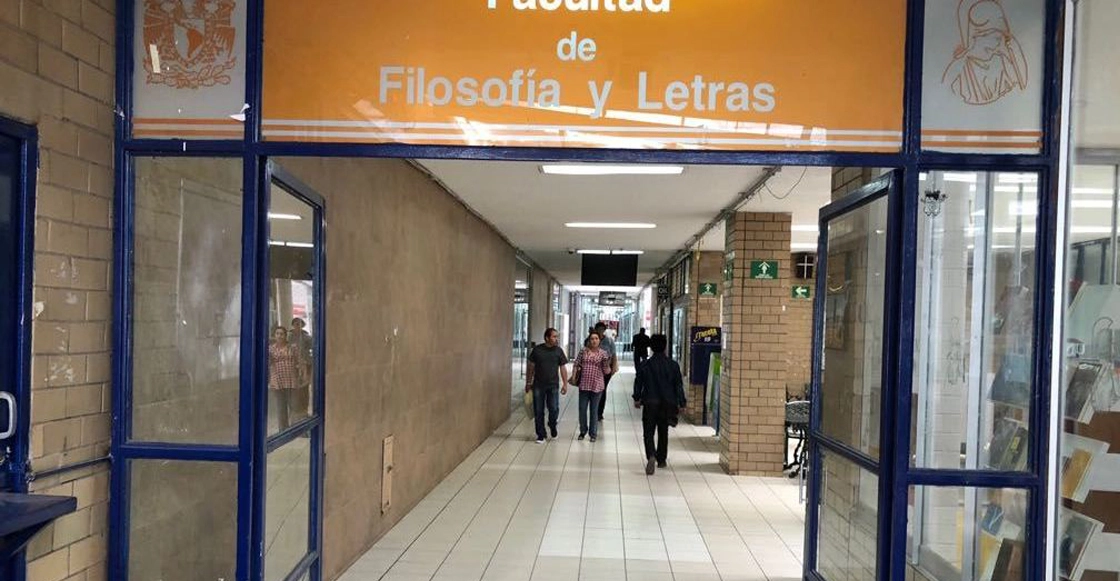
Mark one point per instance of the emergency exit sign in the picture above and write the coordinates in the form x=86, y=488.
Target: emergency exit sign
x=764, y=269
x=801, y=292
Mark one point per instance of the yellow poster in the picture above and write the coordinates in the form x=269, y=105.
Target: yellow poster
x=778, y=75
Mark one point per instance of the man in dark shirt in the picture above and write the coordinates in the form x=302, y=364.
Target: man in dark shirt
x=640, y=344
x=659, y=393
x=547, y=377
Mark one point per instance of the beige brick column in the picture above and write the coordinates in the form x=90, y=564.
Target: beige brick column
x=753, y=382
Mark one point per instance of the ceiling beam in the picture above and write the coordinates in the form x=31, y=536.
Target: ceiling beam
x=744, y=196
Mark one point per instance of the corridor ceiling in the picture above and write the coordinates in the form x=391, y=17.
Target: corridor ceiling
x=531, y=208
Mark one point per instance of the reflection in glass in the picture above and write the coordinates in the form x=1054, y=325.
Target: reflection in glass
x=287, y=514
x=182, y=518
x=291, y=353
x=974, y=323
x=851, y=381
x=847, y=536
x=187, y=300
x=967, y=534
x=1089, y=479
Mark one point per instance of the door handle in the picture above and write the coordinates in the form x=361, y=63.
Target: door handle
x=11, y=399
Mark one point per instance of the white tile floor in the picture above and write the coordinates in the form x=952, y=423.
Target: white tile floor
x=569, y=510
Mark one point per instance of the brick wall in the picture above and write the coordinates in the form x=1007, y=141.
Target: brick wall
x=798, y=340
x=56, y=71
x=703, y=312
x=753, y=383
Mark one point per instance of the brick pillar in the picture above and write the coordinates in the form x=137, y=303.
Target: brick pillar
x=753, y=383
x=704, y=312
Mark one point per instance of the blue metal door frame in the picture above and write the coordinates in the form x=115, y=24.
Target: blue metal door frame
x=893, y=468
x=17, y=248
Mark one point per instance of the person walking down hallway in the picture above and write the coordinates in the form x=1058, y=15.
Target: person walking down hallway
x=592, y=366
x=283, y=378
x=547, y=377
x=608, y=345
x=640, y=345
x=659, y=393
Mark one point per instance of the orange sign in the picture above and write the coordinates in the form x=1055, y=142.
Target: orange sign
x=818, y=75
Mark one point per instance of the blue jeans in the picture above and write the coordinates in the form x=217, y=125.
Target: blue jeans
x=589, y=399
x=542, y=396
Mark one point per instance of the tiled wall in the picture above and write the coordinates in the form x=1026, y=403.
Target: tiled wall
x=56, y=72
x=753, y=383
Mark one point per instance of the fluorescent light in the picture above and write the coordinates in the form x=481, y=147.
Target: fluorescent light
x=1093, y=191
x=601, y=169
x=966, y=178
x=593, y=252
x=277, y=216
x=275, y=243
x=300, y=245
x=1098, y=204
x=632, y=252
x=1017, y=178
x=620, y=225
x=805, y=228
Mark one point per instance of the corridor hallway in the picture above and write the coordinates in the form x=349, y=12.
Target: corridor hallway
x=570, y=510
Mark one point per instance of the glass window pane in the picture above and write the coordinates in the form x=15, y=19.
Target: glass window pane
x=187, y=300
x=182, y=518
x=966, y=534
x=848, y=532
x=1090, y=475
x=983, y=76
x=974, y=324
x=291, y=353
x=851, y=380
x=287, y=517
x=189, y=78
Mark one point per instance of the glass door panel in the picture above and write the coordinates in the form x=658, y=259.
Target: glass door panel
x=852, y=363
x=974, y=330
x=294, y=380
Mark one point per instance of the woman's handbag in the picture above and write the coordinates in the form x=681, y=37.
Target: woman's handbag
x=574, y=379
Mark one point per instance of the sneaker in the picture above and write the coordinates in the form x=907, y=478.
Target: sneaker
x=593, y=438
x=649, y=465
x=582, y=436
x=662, y=465
x=540, y=440
x=554, y=433
x=600, y=418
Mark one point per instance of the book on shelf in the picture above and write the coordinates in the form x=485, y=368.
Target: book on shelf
x=1012, y=383
x=1007, y=449
x=1078, y=455
x=1084, y=380
x=1076, y=531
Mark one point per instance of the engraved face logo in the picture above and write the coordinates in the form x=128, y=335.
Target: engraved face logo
x=989, y=62
x=189, y=44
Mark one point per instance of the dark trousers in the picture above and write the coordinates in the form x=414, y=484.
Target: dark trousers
x=639, y=359
x=655, y=417
x=549, y=397
x=603, y=400
x=589, y=402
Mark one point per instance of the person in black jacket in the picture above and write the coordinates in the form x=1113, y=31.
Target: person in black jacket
x=659, y=393
x=640, y=344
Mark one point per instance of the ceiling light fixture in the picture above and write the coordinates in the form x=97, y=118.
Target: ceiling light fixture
x=593, y=252
x=291, y=244
x=278, y=216
x=598, y=169
x=615, y=225
x=634, y=252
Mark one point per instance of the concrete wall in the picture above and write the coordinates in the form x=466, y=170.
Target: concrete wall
x=418, y=322
x=56, y=72
x=540, y=305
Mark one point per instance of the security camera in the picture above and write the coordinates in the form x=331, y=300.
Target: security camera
x=571, y=251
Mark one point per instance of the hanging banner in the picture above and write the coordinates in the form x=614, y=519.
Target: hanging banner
x=629, y=74
x=982, y=76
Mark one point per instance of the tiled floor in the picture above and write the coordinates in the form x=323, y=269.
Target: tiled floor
x=569, y=510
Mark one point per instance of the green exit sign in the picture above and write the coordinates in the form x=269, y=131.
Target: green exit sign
x=764, y=269
x=708, y=289
x=801, y=292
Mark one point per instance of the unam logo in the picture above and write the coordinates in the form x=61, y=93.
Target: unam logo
x=189, y=43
